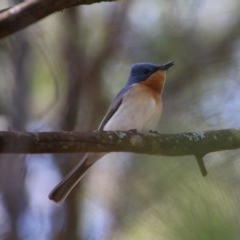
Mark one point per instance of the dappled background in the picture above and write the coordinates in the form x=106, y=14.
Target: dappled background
x=62, y=73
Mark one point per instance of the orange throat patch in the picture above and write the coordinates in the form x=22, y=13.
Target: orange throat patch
x=156, y=81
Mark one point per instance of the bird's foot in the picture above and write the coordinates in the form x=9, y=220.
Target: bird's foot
x=153, y=131
x=133, y=130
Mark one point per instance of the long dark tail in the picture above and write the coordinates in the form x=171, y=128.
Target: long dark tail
x=61, y=191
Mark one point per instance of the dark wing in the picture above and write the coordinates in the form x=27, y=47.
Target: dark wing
x=113, y=108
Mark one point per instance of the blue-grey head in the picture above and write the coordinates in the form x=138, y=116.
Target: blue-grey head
x=142, y=71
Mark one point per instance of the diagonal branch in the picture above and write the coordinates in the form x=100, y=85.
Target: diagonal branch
x=23, y=14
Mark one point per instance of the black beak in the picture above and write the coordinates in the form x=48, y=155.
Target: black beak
x=166, y=66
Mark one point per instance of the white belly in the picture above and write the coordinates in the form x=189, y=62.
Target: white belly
x=139, y=110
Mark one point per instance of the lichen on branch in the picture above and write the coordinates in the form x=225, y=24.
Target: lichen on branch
x=191, y=143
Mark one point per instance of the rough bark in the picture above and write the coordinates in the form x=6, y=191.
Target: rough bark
x=191, y=143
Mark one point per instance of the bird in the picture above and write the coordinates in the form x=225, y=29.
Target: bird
x=138, y=106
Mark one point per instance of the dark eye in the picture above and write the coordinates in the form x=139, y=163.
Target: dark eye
x=146, y=71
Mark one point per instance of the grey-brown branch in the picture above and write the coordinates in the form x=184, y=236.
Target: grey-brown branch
x=197, y=144
x=191, y=143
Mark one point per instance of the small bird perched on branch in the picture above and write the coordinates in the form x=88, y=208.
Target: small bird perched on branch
x=137, y=106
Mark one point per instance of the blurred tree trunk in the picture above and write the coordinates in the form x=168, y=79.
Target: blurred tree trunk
x=73, y=59
x=12, y=175
x=84, y=99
